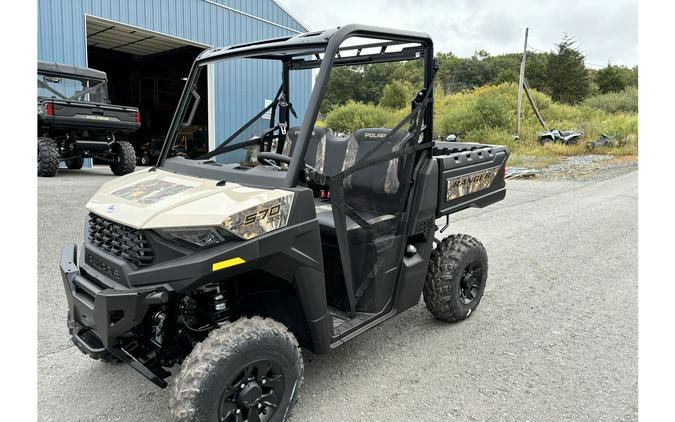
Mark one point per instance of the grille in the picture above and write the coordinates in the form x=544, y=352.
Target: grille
x=117, y=239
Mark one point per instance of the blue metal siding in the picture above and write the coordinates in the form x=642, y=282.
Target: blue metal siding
x=239, y=86
x=265, y=9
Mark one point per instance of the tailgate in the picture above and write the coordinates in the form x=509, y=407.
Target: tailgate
x=471, y=175
x=92, y=115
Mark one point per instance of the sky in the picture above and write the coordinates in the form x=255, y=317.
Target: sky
x=605, y=30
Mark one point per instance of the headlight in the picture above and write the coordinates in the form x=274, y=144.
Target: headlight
x=202, y=237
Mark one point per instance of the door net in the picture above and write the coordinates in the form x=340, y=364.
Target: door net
x=369, y=197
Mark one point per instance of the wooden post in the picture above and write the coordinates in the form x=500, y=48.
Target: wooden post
x=533, y=104
x=521, y=81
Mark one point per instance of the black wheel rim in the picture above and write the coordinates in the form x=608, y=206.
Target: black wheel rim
x=253, y=394
x=470, y=283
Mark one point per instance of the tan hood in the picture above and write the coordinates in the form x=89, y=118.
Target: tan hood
x=161, y=199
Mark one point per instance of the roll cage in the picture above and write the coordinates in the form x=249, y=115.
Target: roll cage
x=314, y=50
x=93, y=81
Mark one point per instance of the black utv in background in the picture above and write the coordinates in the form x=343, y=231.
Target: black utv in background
x=76, y=121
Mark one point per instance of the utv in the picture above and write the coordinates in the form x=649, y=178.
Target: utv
x=76, y=121
x=228, y=268
x=148, y=152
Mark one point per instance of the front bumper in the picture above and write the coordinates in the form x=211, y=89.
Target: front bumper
x=103, y=313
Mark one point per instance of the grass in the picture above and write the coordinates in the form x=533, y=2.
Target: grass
x=615, y=102
x=488, y=115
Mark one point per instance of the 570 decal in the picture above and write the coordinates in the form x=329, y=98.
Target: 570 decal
x=262, y=214
x=261, y=218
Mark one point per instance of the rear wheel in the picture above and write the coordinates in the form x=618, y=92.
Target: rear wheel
x=48, y=157
x=249, y=370
x=125, y=158
x=75, y=163
x=456, y=278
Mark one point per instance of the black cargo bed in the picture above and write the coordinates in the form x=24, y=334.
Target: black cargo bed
x=81, y=114
x=470, y=175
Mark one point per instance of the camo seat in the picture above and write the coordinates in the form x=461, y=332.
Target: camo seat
x=372, y=191
x=325, y=152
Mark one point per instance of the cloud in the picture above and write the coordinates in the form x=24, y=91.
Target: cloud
x=605, y=30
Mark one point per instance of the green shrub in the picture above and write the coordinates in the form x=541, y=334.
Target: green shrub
x=491, y=112
x=352, y=116
x=615, y=102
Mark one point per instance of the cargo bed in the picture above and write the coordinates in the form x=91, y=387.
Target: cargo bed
x=80, y=114
x=470, y=175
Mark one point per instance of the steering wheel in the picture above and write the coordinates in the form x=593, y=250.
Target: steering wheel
x=279, y=158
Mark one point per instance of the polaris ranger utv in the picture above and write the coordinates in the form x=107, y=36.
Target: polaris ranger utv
x=313, y=239
x=76, y=121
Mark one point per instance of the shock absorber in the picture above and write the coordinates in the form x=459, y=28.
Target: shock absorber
x=220, y=306
x=158, y=320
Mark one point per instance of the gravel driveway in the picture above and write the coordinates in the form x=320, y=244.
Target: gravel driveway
x=555, y=337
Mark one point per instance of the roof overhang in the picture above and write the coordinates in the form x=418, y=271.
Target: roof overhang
x=117, y=36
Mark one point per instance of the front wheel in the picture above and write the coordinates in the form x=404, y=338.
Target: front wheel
x=456, y=278
x=125, y=158
x=249, y=370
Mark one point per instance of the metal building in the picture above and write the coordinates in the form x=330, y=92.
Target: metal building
x=147, y=46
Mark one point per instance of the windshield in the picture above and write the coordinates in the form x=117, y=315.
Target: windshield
x=72, y=88
x=234, y=106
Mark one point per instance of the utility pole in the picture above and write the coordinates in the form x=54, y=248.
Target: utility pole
x=521, y=82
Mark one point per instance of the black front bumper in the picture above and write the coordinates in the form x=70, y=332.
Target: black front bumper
x=103, y=312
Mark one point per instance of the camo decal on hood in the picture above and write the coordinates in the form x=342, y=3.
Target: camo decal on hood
x=162, y=199
x=150, y=191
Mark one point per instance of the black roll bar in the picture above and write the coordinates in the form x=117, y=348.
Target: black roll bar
x=321, y=83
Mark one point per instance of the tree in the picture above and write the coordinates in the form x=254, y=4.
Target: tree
x=447, y=64
x=375, y=77
x=476, y=71
x=611, y=79
x=342, y=86
x=536, y=71
x=397, y=94
x=633, y=76
x=568, y=79
x=507, y=75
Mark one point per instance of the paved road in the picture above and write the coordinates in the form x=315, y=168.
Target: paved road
x=555, y=337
